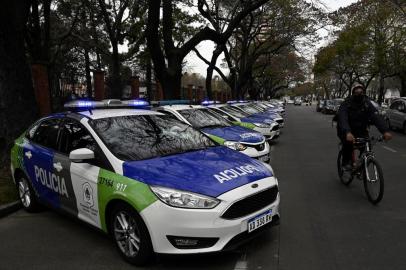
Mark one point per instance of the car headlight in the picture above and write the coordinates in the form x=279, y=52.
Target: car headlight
x=235, y=145
x=184, y=199
x=261, y=125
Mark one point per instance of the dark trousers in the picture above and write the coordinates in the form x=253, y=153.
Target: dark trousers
x=348, y=147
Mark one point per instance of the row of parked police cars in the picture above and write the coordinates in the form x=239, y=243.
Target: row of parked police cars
x=166, y=177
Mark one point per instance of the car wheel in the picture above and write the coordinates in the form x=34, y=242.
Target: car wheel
x=130, y=235
x=27, y=195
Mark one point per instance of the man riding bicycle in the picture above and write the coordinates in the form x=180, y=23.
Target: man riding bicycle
x=354, y=116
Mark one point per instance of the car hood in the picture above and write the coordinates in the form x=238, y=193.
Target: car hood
x=255, y=119
x=210, y=172
x=236, y=134
x=271, y=116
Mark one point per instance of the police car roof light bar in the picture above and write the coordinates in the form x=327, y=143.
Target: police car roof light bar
x=210, y=102
x=137, y=103
x=82, y=105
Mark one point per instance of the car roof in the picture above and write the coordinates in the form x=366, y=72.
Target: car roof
x=181, y=107
x=108, y=113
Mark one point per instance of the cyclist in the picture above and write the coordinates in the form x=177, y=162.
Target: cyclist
x=353, y=118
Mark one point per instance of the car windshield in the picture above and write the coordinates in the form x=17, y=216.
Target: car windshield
x=139, y=137
x=249, y=109
x=338, y=101
x=234, y=112
x=259, y=108
x=203, y=118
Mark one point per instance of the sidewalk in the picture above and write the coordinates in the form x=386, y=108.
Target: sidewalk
x=8, y=194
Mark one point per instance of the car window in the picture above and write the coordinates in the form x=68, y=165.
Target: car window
x=74, y=136
x=234, y=111
x=46, y=133
x=168, y=113
x=394, y=105
x=401, y=107
x=223, y=114
x=203, y=118
x=249, y=109
x=139, y=137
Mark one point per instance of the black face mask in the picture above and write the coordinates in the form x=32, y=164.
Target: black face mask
x=357, y=99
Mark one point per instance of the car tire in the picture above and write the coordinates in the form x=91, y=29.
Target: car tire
x=27, y=195
x=130, y=235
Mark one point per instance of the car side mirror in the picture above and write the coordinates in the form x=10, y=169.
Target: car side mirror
x=80, y=155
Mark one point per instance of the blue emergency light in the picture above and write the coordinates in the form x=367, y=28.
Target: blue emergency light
x=210, y=102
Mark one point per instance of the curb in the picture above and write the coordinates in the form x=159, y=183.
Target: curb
x=9, y=208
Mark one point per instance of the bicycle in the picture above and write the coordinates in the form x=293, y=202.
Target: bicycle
x=365, y=167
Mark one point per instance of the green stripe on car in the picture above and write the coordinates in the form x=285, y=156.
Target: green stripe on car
x=111, y=186
x=244, y=124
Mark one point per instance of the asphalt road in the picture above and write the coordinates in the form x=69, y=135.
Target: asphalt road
x=324, y=225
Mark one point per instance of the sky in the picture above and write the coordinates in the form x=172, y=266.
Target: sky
x=195, y=65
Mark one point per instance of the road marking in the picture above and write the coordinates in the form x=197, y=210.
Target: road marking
x=242, y=263
x=389, y=149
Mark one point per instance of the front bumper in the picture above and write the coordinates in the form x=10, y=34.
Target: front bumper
x=163, y=221
x=254, y=150
x=269, y=133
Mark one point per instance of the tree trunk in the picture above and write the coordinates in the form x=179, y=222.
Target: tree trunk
x=115, y=73
x=148, y=78
x=210, y=69
x=18, y=108
x=88, y=76
x=403, y=85
x=171, y=84
x=381, y=87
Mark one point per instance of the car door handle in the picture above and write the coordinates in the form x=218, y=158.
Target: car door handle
x=28, y=154
x=58, y=166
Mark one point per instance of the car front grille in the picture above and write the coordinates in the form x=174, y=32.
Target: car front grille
x=275, y=128
x=251, y=204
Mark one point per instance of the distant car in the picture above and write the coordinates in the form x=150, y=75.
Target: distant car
x=290, y=101
x=320, y=105
x=298, y=102
x=330, y=107
x=396, y=114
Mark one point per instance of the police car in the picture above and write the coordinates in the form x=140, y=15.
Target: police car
x=155, y=184
x=267, y=127
x=224, y=132
x=251, y=109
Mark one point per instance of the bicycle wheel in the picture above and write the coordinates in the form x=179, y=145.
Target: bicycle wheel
x=345, y=177
x=373, y=181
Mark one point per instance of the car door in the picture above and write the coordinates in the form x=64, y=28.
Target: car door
x=83, y=176
x=396, y=114
x=39, y=162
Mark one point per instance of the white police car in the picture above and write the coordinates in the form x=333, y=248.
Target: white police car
x=253, y=110
x=154, y=183
x=224, y=132
x=267, y=127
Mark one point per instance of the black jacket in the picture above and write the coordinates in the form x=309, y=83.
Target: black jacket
x=356, y=118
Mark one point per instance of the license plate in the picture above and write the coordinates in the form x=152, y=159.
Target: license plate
x=260, y=220
x=264, y=158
